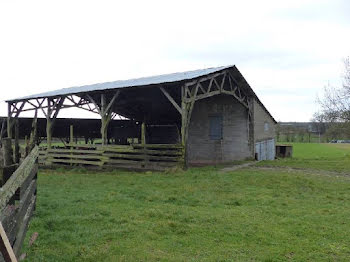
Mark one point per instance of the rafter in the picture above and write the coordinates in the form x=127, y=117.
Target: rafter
x=172, y=101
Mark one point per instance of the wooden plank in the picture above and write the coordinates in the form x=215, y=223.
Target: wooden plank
x=123, y=150
x=74, y=161
x=127, y=156
x=75, y=151
x=5, y=246
x=132, y=162
x=122, y=161
x=142, y=157
x=146, y=151
x=72, y=156
x=16, y=219
x=7, y=172
x=18, y=177
x=24, y=226
x=82, y=146
x=170, y=146
x=28, y=181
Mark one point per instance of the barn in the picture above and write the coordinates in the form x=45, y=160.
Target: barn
x=209, y=116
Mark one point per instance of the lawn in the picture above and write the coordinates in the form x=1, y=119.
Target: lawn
x=201, y=214
x=330, y=157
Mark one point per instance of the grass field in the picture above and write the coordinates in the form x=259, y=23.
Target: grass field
x=331, y=157
x=202, y=214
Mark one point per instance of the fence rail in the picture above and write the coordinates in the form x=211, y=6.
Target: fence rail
x=137, y=156
x=17, y=202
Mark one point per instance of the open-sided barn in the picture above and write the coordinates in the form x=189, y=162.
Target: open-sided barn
x=212, y=115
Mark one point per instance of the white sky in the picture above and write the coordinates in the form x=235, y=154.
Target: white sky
x=287, y=50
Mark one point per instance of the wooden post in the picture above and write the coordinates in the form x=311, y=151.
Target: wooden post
x=2, y=129
x=143, y=133
x=71, y=141
x=16, y=152
x=104, y=120
x=33, y=134
x=7, y=151
x=8, y=167
x=105, y=112
x=48, y=124
x=71, y=134
x=9, y=121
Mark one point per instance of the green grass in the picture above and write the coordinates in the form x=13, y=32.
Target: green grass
x=197, y=215
x=330, y=157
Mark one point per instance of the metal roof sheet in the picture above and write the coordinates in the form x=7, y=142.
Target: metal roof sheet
x=144, y=81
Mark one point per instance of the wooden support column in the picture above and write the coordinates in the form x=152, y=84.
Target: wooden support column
x=3, y=126
x=104, y=120
x=9, y=121
x=53, y=108
x=105, y=111
x=33, y=134
x=49, y=123
x=143, y=133
x=184, y=127
x=187, y=108
x=16, y=152
x=7, y=151
x=71, y=134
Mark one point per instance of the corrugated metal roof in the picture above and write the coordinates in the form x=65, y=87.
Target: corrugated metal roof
x=144, y=81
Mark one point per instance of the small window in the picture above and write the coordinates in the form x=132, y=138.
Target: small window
x=266, y=127
x=215, y=132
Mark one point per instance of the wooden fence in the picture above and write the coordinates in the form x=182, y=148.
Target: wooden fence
x=17, y=203
x=136, y=156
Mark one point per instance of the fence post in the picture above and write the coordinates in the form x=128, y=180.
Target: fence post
x=71, y=138
x=7, y=151
x=9, y=167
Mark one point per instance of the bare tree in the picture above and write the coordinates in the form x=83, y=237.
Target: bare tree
x=336, y=101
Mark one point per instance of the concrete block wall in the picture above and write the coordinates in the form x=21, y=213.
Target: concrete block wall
x=264, y=126
x=234, y=145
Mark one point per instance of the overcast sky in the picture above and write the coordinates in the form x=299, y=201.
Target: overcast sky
x=287, y=50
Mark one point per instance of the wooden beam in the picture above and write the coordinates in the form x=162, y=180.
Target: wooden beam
x=19, y=110
x=112, y=101
x=58, y=107
x=5, y=246
x=205, y=78
x=94, y=102
x=172, y=101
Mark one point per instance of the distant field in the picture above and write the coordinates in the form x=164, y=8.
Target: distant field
x=202, y=214
x=325, y=156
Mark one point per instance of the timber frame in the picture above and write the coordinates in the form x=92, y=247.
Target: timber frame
x=209, y=86
x=179, y=98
